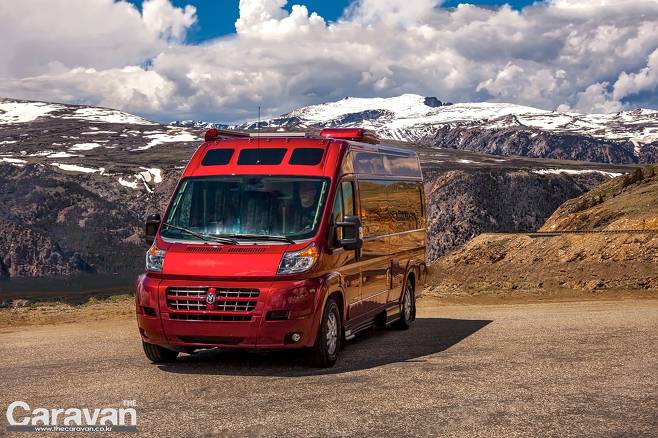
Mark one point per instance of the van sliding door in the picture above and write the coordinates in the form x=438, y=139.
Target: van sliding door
x=375, y=261
x=407, y=243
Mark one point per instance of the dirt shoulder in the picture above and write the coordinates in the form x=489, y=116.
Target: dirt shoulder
x=35, y=314
x=122, y=307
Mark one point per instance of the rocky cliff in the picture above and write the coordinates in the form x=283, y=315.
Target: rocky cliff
x=465, y=203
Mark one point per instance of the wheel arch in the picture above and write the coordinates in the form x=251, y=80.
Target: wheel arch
x=332, y=288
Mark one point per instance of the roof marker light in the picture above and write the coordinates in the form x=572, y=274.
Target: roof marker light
x=211, y=134
x=354, y=134
x=216, y=134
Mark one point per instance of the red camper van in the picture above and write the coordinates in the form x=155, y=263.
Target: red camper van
x=279, y=241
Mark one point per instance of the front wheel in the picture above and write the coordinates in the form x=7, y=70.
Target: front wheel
x=408, y=307
x=158, y=354
x=327, y=344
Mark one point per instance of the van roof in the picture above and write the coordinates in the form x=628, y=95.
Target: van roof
x=279, y=155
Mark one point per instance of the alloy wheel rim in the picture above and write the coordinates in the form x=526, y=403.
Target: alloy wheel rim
x=332, y=333
x=407, y=305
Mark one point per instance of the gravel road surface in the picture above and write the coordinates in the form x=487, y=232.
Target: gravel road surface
x=548, y=369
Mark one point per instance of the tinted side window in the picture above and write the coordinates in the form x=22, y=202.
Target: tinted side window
x=338, y=211
x=348, y=198
x=369, y=163
x=400, y=165
x=217, y=157
x=307, y=156
x=343, y=205
x=375, y=208
x=406, y=209
x=348, y=163
x=264, y=156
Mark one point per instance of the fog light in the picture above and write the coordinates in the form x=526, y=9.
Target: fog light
x=277, y=315
x=295, y=337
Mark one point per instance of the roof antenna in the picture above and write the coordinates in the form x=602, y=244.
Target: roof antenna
x=258, y=137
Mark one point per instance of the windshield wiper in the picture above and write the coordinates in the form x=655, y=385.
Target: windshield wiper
x=257, y=237
x=206, y=237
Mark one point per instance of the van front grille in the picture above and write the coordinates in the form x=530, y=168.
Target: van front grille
x=226, y=299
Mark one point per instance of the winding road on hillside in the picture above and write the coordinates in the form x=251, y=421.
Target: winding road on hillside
x=546, y=369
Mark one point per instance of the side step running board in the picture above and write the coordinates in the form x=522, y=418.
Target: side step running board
x=351, y=334
x=390, y=319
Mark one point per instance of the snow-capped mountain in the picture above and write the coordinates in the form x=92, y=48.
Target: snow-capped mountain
x=85, y=139
x=77, y=181
x=497, y=128
x=198, y=124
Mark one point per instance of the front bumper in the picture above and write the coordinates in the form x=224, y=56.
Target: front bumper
x=161, y=324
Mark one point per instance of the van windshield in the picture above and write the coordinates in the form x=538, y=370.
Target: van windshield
x=246, y=207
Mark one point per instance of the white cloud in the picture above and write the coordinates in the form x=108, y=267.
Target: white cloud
x=163, y=19
x=594, y=55
x=597, y=98
x=51, y=37
x=267, y=19
x=130, y=88
x=643, y=80
x=403, y=13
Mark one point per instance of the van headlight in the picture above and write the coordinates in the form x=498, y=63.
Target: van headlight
x=155, y=259
x=294, y=262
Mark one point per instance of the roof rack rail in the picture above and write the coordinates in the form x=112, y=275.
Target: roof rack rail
x=354, y=134
x=216, y=134
x=277, y=134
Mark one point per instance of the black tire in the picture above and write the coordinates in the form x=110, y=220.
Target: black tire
x=328, y=342
x=158, y=354
x=407, y=307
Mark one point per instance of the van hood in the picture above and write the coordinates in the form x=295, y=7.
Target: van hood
x=222, y=260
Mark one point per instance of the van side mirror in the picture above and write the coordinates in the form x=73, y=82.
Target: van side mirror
x=352, y=239
x=151, y=228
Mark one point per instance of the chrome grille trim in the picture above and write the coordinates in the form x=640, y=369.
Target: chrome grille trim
x=235, y=306
x=226, y=299
x=238, y=292
x=188, y=292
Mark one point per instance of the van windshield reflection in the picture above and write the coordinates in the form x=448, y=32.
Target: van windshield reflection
x=247, y=208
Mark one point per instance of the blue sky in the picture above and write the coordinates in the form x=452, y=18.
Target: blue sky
x=217, y=17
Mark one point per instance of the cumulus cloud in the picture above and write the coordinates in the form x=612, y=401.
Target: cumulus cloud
x=163, y=19
x=268, y=19
x=594, y=55
x=634, y=83
x=131, y=88
x=404, y=13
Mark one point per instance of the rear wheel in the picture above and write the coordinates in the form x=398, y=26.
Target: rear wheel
x=327, y=344
x=407, y=308
x=158, y=354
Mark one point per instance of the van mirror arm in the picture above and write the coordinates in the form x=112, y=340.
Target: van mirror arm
x=151, y=228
